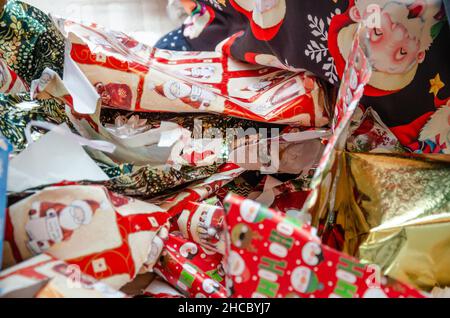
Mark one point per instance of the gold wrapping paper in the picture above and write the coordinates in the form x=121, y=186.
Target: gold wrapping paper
x=395, y=212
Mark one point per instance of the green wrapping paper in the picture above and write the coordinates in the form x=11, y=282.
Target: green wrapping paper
x=29, y=41
x=16, y=111
x=147, y=181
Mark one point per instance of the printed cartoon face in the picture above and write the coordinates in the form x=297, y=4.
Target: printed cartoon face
x=249, y=210
x=242, y=237
x=300, y=279
x=312, y=254
x=72, y=217
x=236, y=264
x=210, y=227
x=393, y=49
x=75, y=215
x=178, y=90
x=202, y=72
x=399, y=33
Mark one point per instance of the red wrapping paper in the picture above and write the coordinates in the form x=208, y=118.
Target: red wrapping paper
x=108, y=236
x=200, y=191
x=193, y=270
x=272, y=255
x=204, y=224
x=45, y=276
x=130, y=75
x=10, y=82
x=160, y=289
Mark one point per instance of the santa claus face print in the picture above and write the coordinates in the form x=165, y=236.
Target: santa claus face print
x=189, y=250
x=201, y=72
x=236, y=264
x=210, y=286
x=72, y=217
x=249, y=210
x=398, y=35
x=393, y=49
x=178, y=90
x=301, y=278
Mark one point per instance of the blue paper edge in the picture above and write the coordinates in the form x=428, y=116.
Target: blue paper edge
x=4, y=160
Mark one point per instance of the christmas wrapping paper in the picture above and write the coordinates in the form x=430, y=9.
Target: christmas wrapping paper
x=323, y=184
x=160, y=289
x=201, y=190
x=10, y=82
x=30, y=41
x=169, y=143
x=148, y=181
x=18, y=110
x=369, y=134
x=129, y=178
x=45, y=276
x=396, y=210
x=109, y=236
x=287, y=197
x=194, y=271
x=5, y=149
x=408, y=41
x=130, y=75
x=204, y=224
x=272, y=255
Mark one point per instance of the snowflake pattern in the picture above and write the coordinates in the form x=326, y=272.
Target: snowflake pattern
x=317, y=49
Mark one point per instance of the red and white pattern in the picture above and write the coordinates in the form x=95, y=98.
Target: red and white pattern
x=146, y=79
x=45, y=276
x=107, y=235
x=194, y=271
x=10, y=82
x=272, y=255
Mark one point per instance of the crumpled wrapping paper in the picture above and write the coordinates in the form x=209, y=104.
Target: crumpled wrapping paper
x=369, y=134
x=400, y=208
x=272, y=255
x=10, y=82
x=109, y=236
x=45, y=276
x=30, y=41
x=130, y=75
x=193, y=270
x=17, y=110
